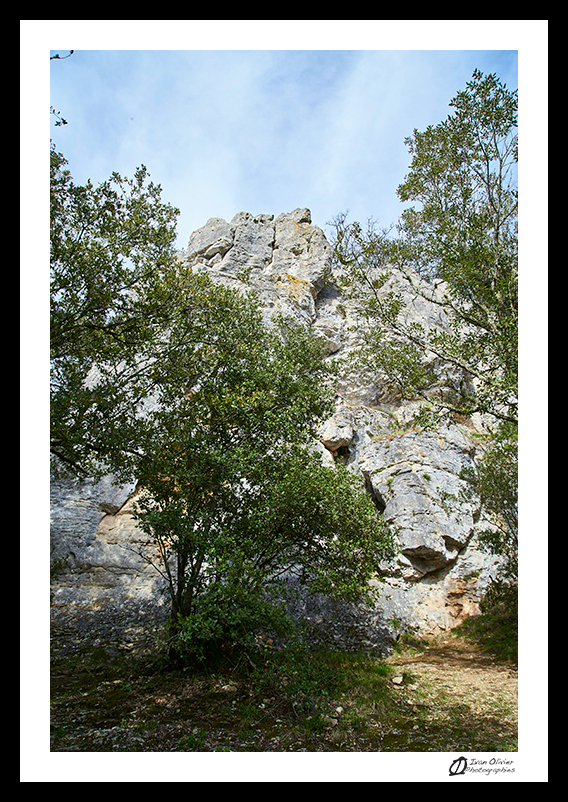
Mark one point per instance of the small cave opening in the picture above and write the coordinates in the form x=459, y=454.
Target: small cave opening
x=377, y=499
x=342, y=454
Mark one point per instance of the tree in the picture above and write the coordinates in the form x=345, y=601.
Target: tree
x=234, y=501
x=456, y=246
x=112, y=275
x=457, y=250
x=495, y=484
x=161, y=376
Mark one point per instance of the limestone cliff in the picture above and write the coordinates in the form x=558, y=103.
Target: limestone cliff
x=440, y=573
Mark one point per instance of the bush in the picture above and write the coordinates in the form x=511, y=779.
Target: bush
x=227, y=622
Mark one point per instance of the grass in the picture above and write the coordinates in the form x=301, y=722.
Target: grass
x=107, y=697
x=290, y=700
x=287, y=700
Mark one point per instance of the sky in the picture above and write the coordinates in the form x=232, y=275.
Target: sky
x=261, y=131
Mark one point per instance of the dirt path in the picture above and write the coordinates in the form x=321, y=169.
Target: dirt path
x=459, y=695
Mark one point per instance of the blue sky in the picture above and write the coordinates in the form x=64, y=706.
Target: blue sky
x=263, y=131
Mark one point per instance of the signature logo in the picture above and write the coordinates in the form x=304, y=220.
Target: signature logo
x=459, y=766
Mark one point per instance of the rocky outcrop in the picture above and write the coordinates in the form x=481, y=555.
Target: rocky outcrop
x=439, y=573
x=95, y=544
x=285, y=260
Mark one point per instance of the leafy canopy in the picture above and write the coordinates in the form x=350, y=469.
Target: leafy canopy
x=161, y=376
x=111, y=261
x=455, y=246
x=233, y=499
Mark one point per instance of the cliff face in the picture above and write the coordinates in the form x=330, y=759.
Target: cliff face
x=440, y=573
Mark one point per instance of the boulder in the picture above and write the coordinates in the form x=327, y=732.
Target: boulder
x=416, y=475
x=301, y=250
x=339, y=430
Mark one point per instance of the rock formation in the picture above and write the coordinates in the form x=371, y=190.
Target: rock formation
x=440, y=572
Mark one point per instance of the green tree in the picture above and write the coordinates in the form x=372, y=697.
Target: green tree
x=456, y=247
x=112, y=261
x=161, y=376
x=495, y=484
x=234, y=501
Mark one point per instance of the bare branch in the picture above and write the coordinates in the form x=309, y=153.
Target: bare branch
x=61, y=58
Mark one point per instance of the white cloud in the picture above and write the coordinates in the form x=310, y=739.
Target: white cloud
x=259, y=130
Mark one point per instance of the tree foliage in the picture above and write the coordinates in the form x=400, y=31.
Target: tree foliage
x=228, y=553
x=456, y=247
x=233, y=498
x=161, y=376
x=111, y=250
x=495, y=484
